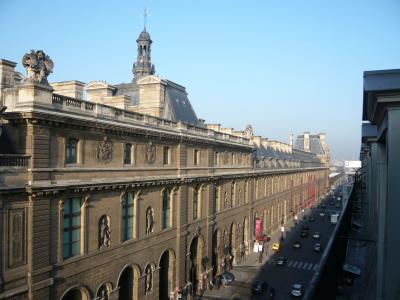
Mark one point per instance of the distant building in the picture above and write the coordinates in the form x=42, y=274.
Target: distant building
x=315, y=144
x=127, y=194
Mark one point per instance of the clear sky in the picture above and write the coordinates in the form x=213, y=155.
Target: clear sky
x=283, y=66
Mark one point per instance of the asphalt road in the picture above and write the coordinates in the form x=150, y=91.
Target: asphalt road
x=299, y=267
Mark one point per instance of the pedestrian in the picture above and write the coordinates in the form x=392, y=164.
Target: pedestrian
x=231, y=257
x=260, y=253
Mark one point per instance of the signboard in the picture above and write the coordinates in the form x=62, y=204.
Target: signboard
x=258, y=229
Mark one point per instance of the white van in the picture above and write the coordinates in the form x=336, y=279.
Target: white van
x=334, y=218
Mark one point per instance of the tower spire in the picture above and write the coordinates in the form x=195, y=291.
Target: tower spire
x=145, y=15
x=143, y=66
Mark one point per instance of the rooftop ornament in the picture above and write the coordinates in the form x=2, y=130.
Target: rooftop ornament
x=38, y=66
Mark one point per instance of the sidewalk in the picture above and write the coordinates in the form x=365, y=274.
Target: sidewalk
x=245, y=272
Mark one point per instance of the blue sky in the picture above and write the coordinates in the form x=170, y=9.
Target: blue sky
x=283, y=66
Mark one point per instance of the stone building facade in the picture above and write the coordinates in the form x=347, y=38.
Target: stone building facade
x=127, y=195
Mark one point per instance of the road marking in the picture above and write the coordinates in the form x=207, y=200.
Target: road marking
x=305, y=266
x=295, y=263
x=290, y=263
x=315, y=267
x=299, y=266
x=310, y=266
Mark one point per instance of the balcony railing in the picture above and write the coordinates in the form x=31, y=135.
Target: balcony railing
x=14, y=160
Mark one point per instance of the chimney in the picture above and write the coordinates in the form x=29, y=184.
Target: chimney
x=6, y=76
x=306, y=141
x=72, y=88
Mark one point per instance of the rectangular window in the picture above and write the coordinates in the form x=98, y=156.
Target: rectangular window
x=196, y=157
x=127, y=216
x=233, y=158
x=166, y=209
x=195, y=204
x=166, y=155
x=128, y=154
x=71, y=227
x=217, y=158
x=71, y=149
x=217, y=192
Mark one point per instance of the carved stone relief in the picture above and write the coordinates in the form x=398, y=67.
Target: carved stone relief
x=104, y=151
x=16, y=237
x=150, y=153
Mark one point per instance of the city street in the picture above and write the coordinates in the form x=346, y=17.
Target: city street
x=299, y=266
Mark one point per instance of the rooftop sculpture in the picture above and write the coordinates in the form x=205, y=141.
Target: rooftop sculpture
x=38, y=66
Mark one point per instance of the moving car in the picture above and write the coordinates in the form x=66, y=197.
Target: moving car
x=227, y=278
x=304, y=233
x=317, y=247
x=296, y=245
x=305, y=227
x=322, y=214
x=316, y=235
x=297, y=290
x=259, y=287
x=280, y=261
x=276, y=246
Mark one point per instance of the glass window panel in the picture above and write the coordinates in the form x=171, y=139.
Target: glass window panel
x=76, y=234
x=66, y=237
x=76, y=205
x=65, y=250
x=66, y=223
x=75, y=247
x=76, y=221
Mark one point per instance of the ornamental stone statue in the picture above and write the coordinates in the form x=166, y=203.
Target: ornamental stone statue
x=38, y=66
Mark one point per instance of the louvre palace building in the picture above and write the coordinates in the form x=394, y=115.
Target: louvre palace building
x=121, y=192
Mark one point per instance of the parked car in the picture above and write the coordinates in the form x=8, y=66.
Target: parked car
x=296, y=245
x=304, y=233
x=259, y=287
x=276, y=246
x=322, y=214
x=317, y=247
x=297, y=290
x=316, y=235
x=305, y=227
x=280, y=261
x=227, y=278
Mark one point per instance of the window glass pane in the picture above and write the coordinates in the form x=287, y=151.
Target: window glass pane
x=76, y=221
x=66, y=237
x=76, y=205
x=65, y=250
x=75, y=247
x=76, y=234
x=67, y=207
x=66, y=223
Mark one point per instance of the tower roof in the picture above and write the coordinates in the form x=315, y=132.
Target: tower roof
x=144, y=36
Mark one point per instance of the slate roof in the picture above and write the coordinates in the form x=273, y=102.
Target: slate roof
x=315, y=144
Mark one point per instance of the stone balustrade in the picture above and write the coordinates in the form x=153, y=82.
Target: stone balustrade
x=14, y=160
x=117, y=114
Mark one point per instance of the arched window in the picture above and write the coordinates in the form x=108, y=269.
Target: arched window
x=103, y=292
x=166, y=207
x=128, y=154
x=144, y=50
x=71, y=148
x=196, y=202
x=127, y=216
x=140, y=50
